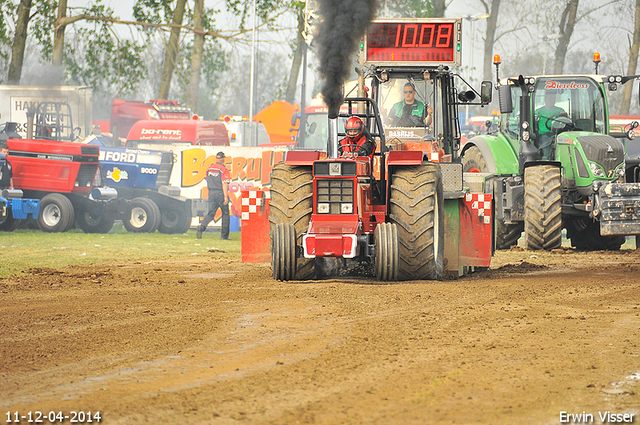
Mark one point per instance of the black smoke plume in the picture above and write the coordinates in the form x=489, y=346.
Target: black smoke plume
x=343, y=23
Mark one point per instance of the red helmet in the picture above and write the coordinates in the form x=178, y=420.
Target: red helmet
x=353, y=127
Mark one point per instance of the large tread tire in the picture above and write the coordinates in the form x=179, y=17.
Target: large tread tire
x=542, y=207
x=416, y=206
x=386, y=259
x=507, y=235
x=292, y=203
x=174, y=221
x=585, y=236
x=56, y=213
x=94, y=222
x=283, y=252
x=473, y=161
x=144, y=217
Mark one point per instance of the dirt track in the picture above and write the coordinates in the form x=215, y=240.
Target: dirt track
x=214, y=341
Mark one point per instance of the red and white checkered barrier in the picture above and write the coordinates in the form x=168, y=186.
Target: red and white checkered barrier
x=481, y=203
x=252, y=201
x=255, y=226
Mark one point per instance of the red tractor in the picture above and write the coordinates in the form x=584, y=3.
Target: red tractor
x=409, y=213
x=50, y=166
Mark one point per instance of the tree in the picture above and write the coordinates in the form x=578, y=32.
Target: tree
x=19, y=42
x=299, y=49
x=490, y=37
x=633, y=62
x=171, y=49
x=415, y=8
x=196, y=56
x=565, y=30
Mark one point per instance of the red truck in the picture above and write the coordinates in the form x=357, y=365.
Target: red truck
x=125, y=113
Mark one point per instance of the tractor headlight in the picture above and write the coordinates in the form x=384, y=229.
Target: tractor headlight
x=323, y=208
x=596, y=170
x=346, y=208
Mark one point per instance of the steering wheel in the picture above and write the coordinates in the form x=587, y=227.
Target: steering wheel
x=554, y=117
x=351, y=145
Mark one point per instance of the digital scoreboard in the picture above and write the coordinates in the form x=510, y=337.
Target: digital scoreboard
x=414, y=42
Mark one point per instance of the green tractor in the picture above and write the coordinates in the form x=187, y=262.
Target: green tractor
x=557, y=164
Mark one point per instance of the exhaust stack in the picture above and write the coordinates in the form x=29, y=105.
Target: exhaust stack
x=31, y=113
x=332, y=149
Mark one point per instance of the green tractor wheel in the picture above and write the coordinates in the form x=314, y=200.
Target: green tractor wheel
x=542, y=207
x=584, y=234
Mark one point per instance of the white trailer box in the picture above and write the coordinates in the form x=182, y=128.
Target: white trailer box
x=15, y=101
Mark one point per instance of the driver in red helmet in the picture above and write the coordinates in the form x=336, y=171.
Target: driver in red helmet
x=358, y=141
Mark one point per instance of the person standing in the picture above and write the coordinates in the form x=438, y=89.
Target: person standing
x=6, y=172
x=218, y=184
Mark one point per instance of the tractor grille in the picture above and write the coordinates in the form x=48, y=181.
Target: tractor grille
x=603, y=150
x=90, y=150
x=86, y=174
x=334, y=192
x=164, y=172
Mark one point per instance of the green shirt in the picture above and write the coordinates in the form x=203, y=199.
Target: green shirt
x=544, y=115
x=402, y=112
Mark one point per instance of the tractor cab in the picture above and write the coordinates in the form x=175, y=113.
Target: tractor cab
x=52, y=121
x=430, y=122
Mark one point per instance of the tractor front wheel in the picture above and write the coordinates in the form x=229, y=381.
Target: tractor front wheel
x=386, y=259
x=283, y=252
x=542, y=207
x=416, y=206
x=292, y=203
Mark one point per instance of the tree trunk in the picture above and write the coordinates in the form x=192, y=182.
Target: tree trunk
x=58, y=39
x=297, y=60
x=492, y=22
x=439, y=7
x=19, y=41
x=633, y=63
x=567, y=24
x=172, y=50
x=196, y=57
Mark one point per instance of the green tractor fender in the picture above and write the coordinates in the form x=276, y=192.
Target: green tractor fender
x=497, y=151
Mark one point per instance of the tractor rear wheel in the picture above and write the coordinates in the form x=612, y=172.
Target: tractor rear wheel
x=144, y=217
x=283, y=252
x=174, y=220
x=386, y=259
x=56, y=213
x=542, y=207
x=91, y=222
x=507, y=235
x=292, y=203
x=416, y=206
